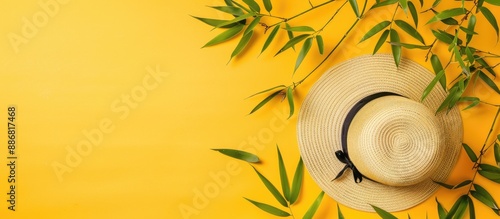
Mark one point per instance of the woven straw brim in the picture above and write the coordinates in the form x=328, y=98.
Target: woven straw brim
x=325, y=108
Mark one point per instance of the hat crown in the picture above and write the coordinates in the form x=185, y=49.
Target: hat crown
x=395, y=141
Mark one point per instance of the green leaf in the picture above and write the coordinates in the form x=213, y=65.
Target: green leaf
x=253, y=5
x=252, y=25
x=431, y=85
x=410, y=30
x=269, y=209
x=448, y=101
x=470, y=55
x=263, y=102
x=384, y=3
x=474, y=101
x=270, y=38
x=267, y=90
x=268, y=5
x=272, y=189
x=456, y=209
x=297, y=182
x=485, y=65
x=458, y=58
x=479, y=5
x=303, y=52
x=290, y=33
x=472, y=211
x=413, y=12
x=404, y=5
x=493, y=2
x=285, y=185
x=410, y=46
x=488, y=81
x=242, y=44
x=289, y=95
x=300, y=29
x=292, y=42
x=241, y=155
x=490, y=17
x=438, y=67
x=470, y=152
x=442, y=212
x=462, y=184
x=484, y=196
x=497, y=154
x=314, y=207
x=467, y=31
x=228, y=2
x=340, y=215
x=447, y=14
x=381, y=41
x=436, y=3
x=489, y=168
x=471, y=26
x=459, y=214
x=444, y=185
x=237, y=19
x=225, y=36
x=214, y=22
x=377, y=28
x=383, y=213
x=229, y=9
x=321, y=45
x=493, y=176
x=355, y=8
x=442, y=37
x=396, y=50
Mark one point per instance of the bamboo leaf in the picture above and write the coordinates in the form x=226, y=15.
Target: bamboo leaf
x=269, y=209
x=447, y=101
x=214, y=22
x=421, y=3
x=381, y=41
x=253, y=5
x=474, y=101
x=272, y=189
x=225, y=36
x=297, y=182
x=462, y=184
x=470, y=152
x=263, y=102
x=242, y=44
x=447, y=14
x=228, y=2
x=432, y=84
x=458, y=58
x=375, y=29
x=285, y=185
x=303, y=52
x=289, y=95
x=241, y=155
x=314, y=207
x=410, y=30
x=493, y=2
x=252, y=25
x=493, y=176
x=490, y=17
x=237, y=19
x=300, y=29
x=442, y=212
x=267, y=90
x=321, y=45
x=410, y=46
x=442, y=37
x=489, y=168
x=413, y=12
x=404, y=5
x=471, y=26
x=459, y=214
x=438, y=67
x=488, y=81
x=355, y=8
x=270, y=38
x=484, y=196
x=470, y=55
x=290, y=33
x=229, y=9
x=268, y=5
x=292, y=42
x=472, y=210
x=436, y=3
x=396, y=50
x=384, y=3
x=457, y=207
x=485, y=65
x=497, y=154
x=340, y=215
x=444, y=185
x=383, y=213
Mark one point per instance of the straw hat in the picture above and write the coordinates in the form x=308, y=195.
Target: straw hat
x=367, y=139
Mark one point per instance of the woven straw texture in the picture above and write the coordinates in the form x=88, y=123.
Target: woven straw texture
x=408, y=135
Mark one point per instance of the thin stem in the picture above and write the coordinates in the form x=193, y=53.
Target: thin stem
x=270, y=15
x=491, y=130
x=291, y=212
x=331, y=18
x=301, y=13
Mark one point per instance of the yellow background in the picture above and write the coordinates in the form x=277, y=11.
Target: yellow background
x=76, y=69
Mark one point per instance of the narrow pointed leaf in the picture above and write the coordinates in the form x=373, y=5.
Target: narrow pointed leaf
x=241, y=155
x=300, y=29
x=267, y=90
x=263, y=102
x=228, y=2
x=442, y=37
x=472, y=210
x=340, y=215
x=272, y=189
x=447, y=101
x=321, y=45
x=458, y=58
x=493, y=2
x=457, y=206
x=484, y=196
x=242, y=44
x=303, y=52
x=459, y=214
x=444, y=185
x=497, y=154
x=268, y=5
x=447, y=14
x=431, y=85
x=229, y=9
x=237, y=19
x=470, y=55
x=214, y=22
x=462, y=184
x=474, y=101
x=442, y=212
x=488, y=81
x=225, y=36
x=404, y=5
x=269, y=209
x=410, y=46
x=270, y=38
x=467, y=31
x=470, y=152
x=377, y=28
x=436, y=3
x=410, y=30
x=290, y=33
x=421, y=3
x=438, y=67
x=479, y=5
x=471, y=26
x=383, y=213
x=485, y=65
x=285, y=185
x=381, y=41
x=292, y=42
x=314, y=207
x=252, y=25
x=490, y=17
x=489, y=168
x=450, y=21
x=493, y=176
x=384, y=3
x=355, y=8
x=253, y=5
x=297, y=182
x=413, y=12
x=289, y=95
x=396, y=50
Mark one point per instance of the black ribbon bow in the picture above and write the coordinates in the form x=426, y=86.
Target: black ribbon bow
x=358, y=177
